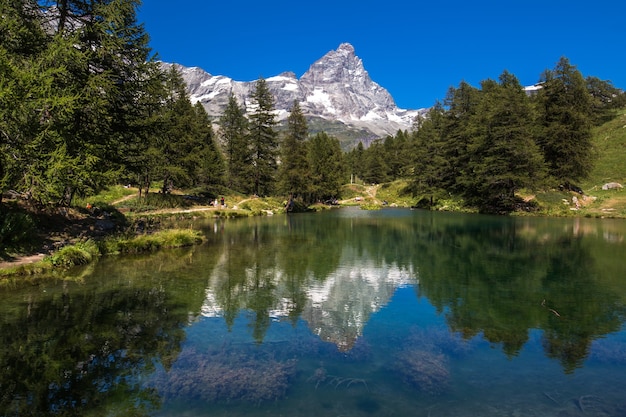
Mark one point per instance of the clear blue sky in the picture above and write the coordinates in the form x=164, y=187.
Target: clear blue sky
x=415, y=49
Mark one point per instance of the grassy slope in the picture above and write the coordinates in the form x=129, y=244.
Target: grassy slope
x=610, y=143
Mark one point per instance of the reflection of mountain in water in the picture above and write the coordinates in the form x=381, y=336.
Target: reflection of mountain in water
x=488, y=275
x=338, y=307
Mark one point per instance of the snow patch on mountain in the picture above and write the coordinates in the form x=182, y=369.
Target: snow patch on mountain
x=336, y=87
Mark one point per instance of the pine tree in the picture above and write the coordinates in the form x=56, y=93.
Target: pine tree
x=327, y=167
x=430, y=162
x=294, y=170
x=211, y=170
x=375, y=165
x=238, y=153
x=462, y=104
x=503, y=156
x=263, y=139
x=565, y=110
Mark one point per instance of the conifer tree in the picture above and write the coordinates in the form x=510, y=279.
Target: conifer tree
x=503, y=156
x=375, y=165
x=237, y=150
x=263, y=139
x=565, y=112
x=462, y=104
x=83, y=71
x=210, y=170
x=430, y=162
x=294, y=170
x=326, y=165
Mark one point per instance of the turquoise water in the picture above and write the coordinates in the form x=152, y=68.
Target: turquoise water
x=343, y=313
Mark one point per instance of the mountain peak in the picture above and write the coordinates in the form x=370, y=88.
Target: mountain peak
x=336, y=87
x=346, y=47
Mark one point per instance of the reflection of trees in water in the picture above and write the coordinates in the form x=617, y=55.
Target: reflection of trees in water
x=491, y=277
x=488, y=274
x=71, y=349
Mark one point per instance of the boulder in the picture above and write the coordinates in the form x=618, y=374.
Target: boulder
x=612, y=186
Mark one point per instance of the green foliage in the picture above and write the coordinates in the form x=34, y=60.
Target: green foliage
x=16, y=229
x=565, y=113
x=294, y=179
x=237, y=150
x=157, y=201
x=73, y=255
x=263, y=140
x=327, y=167
x=150, y=242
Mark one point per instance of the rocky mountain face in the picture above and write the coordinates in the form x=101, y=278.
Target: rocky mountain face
x=336, y=89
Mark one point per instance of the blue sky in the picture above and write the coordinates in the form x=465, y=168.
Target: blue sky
x=415, y=49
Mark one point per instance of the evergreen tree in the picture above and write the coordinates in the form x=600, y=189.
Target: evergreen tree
x=430, y=162
x=82, y=83
x=354, y=159
x=398, y=151
x=326, y=164
x=605, y=98
x=503, y=156
x=294, y=170
x=462, y=104
x=263, y=139
x=237, y=150
x=565, y=111
x=211, y=170
x=185, y=139
x=375, y=165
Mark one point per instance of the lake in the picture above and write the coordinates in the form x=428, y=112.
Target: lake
x=347, y=312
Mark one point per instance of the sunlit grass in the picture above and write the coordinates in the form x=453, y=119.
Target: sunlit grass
x=108, y=196
x=83, y=253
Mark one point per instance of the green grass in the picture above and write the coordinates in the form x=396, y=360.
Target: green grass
x=262, y=206
x=396, y=193
x=609, y=141
x=105, y=197
x=83, y=253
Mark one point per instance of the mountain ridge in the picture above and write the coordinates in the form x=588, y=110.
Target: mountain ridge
x=335, y=88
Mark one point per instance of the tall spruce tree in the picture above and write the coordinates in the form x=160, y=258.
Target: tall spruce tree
x=502, y=156
x=462, y=104
x=430, y=163
x=565, y=112
x=211, y=170
x=263, y=139
x=294, y=177
x=238, y=153
x=327, y=167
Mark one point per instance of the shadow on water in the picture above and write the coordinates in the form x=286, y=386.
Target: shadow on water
x=347, y=312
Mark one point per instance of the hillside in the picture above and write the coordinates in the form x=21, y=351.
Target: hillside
x=610, y=143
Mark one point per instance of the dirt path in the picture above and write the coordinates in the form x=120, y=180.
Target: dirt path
x=22, y=260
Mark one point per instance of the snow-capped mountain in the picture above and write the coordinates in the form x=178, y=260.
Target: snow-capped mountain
x=335, y=88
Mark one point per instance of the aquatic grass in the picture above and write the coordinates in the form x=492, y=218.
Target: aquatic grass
x=83, y=253
x=174, y=238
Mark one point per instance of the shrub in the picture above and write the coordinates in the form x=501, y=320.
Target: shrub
x=15, y=228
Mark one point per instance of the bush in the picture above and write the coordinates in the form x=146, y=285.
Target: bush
x=16, y=228
x=72, y=255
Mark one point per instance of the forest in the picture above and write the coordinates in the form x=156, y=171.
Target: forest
x=85, y=104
